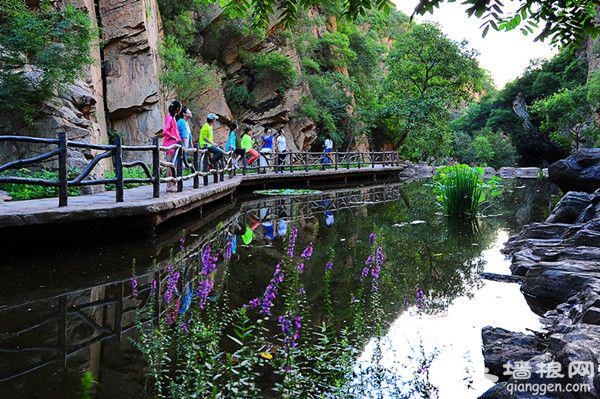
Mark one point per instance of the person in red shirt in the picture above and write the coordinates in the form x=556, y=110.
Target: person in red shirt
x=171, y=136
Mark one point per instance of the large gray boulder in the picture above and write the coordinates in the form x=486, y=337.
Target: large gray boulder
x=579, y=172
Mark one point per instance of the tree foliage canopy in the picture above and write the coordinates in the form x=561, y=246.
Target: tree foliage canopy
x=428, y=76
x=41, y=49
x=563, y=22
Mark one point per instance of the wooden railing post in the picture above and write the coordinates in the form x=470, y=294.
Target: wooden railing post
x=196, y=166
x=347, y=160
x=372, y=159
x=205, y=167
x=291, y=162
x=306, y=161
x=179, y=167
x=118, y=156
x=63, y=183
x=335, y=160
x=155, y=168
x=359, y=158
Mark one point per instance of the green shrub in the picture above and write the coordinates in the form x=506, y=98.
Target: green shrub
x=55, y=42
x=311, y=65
x=272, y=65
x=30, y=191
x=184, y=76
x=238, y=95
x=460, y=189
x=128, y=173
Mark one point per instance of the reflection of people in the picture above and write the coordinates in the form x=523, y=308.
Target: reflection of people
x=328, y=218
x=233, y=239
x=248, y=235
x=269, y=229
x=282, y=228
x=188, y=295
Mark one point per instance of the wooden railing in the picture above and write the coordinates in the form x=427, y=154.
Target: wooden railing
x=183, y=168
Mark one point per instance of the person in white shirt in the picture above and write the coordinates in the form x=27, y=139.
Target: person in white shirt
x=327, y=148
x=281, y=150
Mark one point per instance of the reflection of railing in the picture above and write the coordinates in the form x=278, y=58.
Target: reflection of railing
x=183, y=168
x=106, y=310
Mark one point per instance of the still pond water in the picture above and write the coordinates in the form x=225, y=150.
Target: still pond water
x=407, y=326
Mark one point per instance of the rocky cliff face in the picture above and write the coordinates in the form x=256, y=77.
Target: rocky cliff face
x=131, y=31
x=121, y=93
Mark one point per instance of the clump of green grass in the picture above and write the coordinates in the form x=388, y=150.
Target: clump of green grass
x=461, y=189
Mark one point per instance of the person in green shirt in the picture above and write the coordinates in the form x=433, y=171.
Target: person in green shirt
x=207, y=138
x=246, y=143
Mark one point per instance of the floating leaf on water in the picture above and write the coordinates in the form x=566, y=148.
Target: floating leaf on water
x=288, y=191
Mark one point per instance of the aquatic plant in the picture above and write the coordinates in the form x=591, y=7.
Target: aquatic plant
x=460, y=189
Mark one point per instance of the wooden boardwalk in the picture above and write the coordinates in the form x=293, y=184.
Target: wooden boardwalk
x=149, y=212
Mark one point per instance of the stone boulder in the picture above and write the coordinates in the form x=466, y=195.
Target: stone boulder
x=579, y=172
x=501, y=346
x=569, y=207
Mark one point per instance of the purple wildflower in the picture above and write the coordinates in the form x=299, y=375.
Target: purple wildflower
x=365, y=272
x=329, y=265
x=228, y=248
x=292, y=244
x=301, y=291
x=207, y=282
x=184, y=326
x=134, y=284
x=172, y=313
x=182, y=243
x=153, y=286
x=287, y=368
x=380, y=258
x=172, y=280
x=370, y=260
x=285, y=324
x=307, y=253
x=254, y=303
x=290, y=327
x=420, y=297
x=300, y=267
x=372, y=238
x=271, y=291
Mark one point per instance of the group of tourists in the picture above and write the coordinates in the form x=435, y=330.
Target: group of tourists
x=177, y=129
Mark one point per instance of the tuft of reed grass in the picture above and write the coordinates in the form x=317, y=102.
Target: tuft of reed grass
x=460, y=189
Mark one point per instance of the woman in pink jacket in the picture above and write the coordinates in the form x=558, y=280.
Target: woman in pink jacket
x=170, y=137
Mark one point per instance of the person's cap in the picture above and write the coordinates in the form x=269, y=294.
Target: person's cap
x=212, y=117
x=188, y=113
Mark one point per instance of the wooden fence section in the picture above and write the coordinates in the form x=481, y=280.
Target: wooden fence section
x=185, y=164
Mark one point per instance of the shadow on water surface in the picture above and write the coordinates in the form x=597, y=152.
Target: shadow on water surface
x=75, y=311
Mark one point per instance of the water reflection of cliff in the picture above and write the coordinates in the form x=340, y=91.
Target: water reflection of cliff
x=80, y=315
